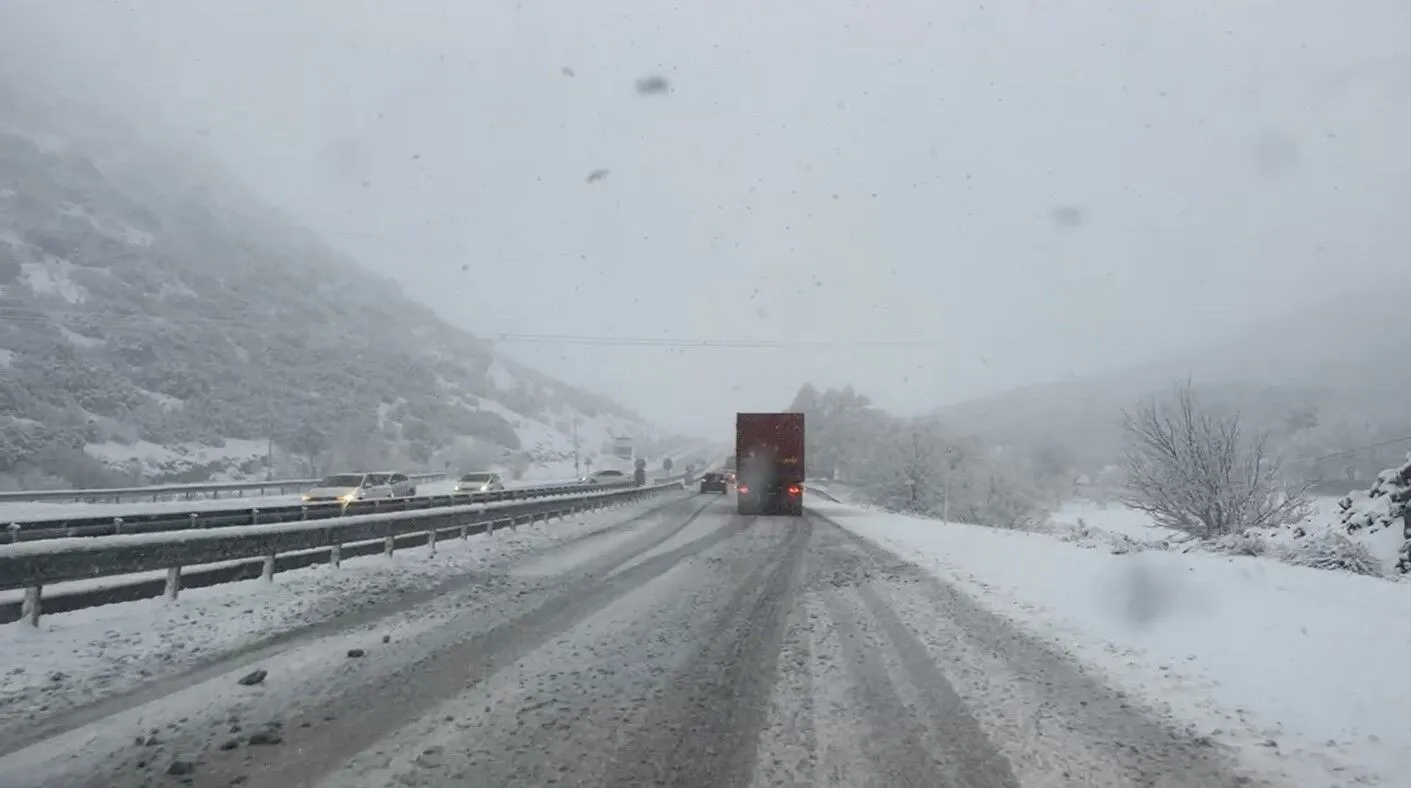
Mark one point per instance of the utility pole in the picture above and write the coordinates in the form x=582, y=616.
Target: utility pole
x=575, y=444
x=269, y=449
x=945, y=504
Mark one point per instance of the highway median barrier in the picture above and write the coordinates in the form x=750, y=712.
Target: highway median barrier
x=195, y=557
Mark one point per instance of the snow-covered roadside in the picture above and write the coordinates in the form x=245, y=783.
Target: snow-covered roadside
x=1114, y=519
x=1114, y=526
x=76, y=658
x=1304, y=667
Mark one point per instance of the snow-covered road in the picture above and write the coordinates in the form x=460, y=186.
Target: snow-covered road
x=682, y=646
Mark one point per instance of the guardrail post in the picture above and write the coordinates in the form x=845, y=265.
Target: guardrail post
x=14, y=532
x=254, y=517
x=389, y=546
x=195, y=520
x=117, y=525
x=267, y=573
x=173, y=582
x=29, y=609
x=335, y=556
x=464, y=533
x=431, y=541
x=490, y=527
x=303, y=511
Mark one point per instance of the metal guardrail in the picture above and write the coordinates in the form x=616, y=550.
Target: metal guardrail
x=242, y=549
x=157, y=492
x=155, y=522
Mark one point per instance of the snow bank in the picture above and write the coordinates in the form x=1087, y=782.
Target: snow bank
x=1307, y=667
x=1374, y=517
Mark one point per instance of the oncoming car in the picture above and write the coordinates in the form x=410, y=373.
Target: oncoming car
x=714, y=482
x=606, y=478
x=482, y=481
x=349, y=487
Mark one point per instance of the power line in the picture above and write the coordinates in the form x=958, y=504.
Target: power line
x=1355, y=449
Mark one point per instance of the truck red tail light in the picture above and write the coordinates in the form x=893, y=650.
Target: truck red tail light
x=742, y=488
x=794, y=489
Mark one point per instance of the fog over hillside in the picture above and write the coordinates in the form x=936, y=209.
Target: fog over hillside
x=1327, y=377
x=160, y=323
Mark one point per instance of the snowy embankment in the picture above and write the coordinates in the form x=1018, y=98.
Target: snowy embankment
x=1301, y=668
x=79, y=657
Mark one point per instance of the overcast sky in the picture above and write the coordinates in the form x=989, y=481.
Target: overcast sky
x=930, y=201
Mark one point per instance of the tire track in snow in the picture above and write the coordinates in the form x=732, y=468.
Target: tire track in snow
x=322, y=734
x=25, y=733
x=193, y=717
x=559, y=715
x=1057, y=724
x=703, y=730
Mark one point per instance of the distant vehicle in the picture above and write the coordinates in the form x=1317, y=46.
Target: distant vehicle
x=714, y=482
x=770, y=452
x=622, y=447
x=730, y=464
x=605, y=478
x=481, y=481
x=349, y=487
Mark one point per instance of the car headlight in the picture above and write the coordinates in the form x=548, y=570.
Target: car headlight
x=349, y=498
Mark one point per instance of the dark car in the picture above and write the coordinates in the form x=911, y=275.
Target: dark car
x=714, y=482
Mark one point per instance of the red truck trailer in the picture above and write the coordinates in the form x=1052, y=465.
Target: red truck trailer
x=769, y=457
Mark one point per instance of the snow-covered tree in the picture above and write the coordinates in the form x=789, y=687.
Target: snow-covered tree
x=907, y=467
x=913, y=465
x=1197, y=472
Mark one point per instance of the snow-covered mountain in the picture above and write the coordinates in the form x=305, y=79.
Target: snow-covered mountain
x=1321, y=380
x=160, y=323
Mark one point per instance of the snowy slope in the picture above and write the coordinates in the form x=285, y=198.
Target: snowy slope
x=178, y=329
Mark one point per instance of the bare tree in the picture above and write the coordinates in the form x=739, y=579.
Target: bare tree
x=1196, y=472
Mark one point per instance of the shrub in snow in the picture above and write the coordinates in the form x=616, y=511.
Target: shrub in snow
x=1241, y=544
x=1383, y=506
x=1332, y=550
x=1196, y=472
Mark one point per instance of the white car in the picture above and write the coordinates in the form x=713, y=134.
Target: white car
x=350, y=487
x=483, y=481
x=605, y=478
